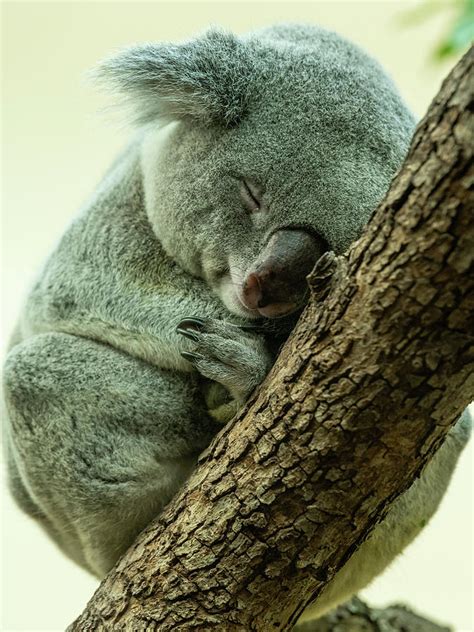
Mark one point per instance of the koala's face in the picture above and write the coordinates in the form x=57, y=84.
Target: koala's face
x=279, y=147
x=223, y=207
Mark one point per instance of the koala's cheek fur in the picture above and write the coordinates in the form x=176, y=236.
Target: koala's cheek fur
x=191, y=198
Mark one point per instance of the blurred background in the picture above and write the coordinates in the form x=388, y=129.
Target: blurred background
x=57, y=142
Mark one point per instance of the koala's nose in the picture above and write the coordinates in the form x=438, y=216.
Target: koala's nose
x=252, y=290
x=267, y=291
x=264, y=287
x=277, y=284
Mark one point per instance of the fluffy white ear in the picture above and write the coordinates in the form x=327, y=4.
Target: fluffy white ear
x=205, y=79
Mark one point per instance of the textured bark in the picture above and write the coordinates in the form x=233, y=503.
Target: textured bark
x=356, y=616
x=377, y=370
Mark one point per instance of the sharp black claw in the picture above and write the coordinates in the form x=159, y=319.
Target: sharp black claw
x=255, y=327
x=192, y=323
x=190, y=357
x=188, y=333
x=252, y=328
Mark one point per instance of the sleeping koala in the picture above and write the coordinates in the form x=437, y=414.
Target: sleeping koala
x=165, y=302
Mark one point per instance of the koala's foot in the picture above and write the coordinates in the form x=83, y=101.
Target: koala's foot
x=227, y=354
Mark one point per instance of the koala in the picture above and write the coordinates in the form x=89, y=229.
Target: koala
x=164, y=304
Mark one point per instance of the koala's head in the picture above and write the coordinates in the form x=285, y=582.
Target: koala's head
x=260, y=153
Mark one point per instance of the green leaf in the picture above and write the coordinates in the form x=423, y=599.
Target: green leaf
x=462, y=34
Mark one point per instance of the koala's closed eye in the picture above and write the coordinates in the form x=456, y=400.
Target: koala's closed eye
x=251, y=196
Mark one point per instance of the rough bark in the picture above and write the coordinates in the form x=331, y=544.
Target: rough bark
x=377, y=370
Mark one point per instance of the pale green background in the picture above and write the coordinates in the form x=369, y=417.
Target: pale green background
x=55, y=148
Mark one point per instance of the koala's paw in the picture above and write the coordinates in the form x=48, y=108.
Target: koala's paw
x=227, y=354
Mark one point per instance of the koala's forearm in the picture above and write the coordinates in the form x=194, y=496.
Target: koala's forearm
x=110, y=280
x=140, y=322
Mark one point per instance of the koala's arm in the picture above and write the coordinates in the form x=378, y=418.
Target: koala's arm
x=111, y=281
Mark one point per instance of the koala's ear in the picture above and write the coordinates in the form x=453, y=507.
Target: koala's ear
x=205, y=79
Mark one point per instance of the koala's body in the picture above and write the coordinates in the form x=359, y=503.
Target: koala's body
x=164, y=303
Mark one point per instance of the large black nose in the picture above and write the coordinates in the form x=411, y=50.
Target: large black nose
x=279, y=276
x=266, y=286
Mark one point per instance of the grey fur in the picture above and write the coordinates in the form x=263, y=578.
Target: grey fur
x=105, y=415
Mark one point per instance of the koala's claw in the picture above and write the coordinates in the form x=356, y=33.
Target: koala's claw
x=227, y=354
x=187, y=326
x=191, y=357
x=188, y=334
x=192, y=323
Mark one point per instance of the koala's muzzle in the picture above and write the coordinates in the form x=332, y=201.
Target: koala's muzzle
x=276, y=285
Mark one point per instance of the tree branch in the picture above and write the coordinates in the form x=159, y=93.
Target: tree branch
x=377, y=370
x=356, y=616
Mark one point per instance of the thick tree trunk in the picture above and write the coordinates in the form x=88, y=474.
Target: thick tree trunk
x=378, y=368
